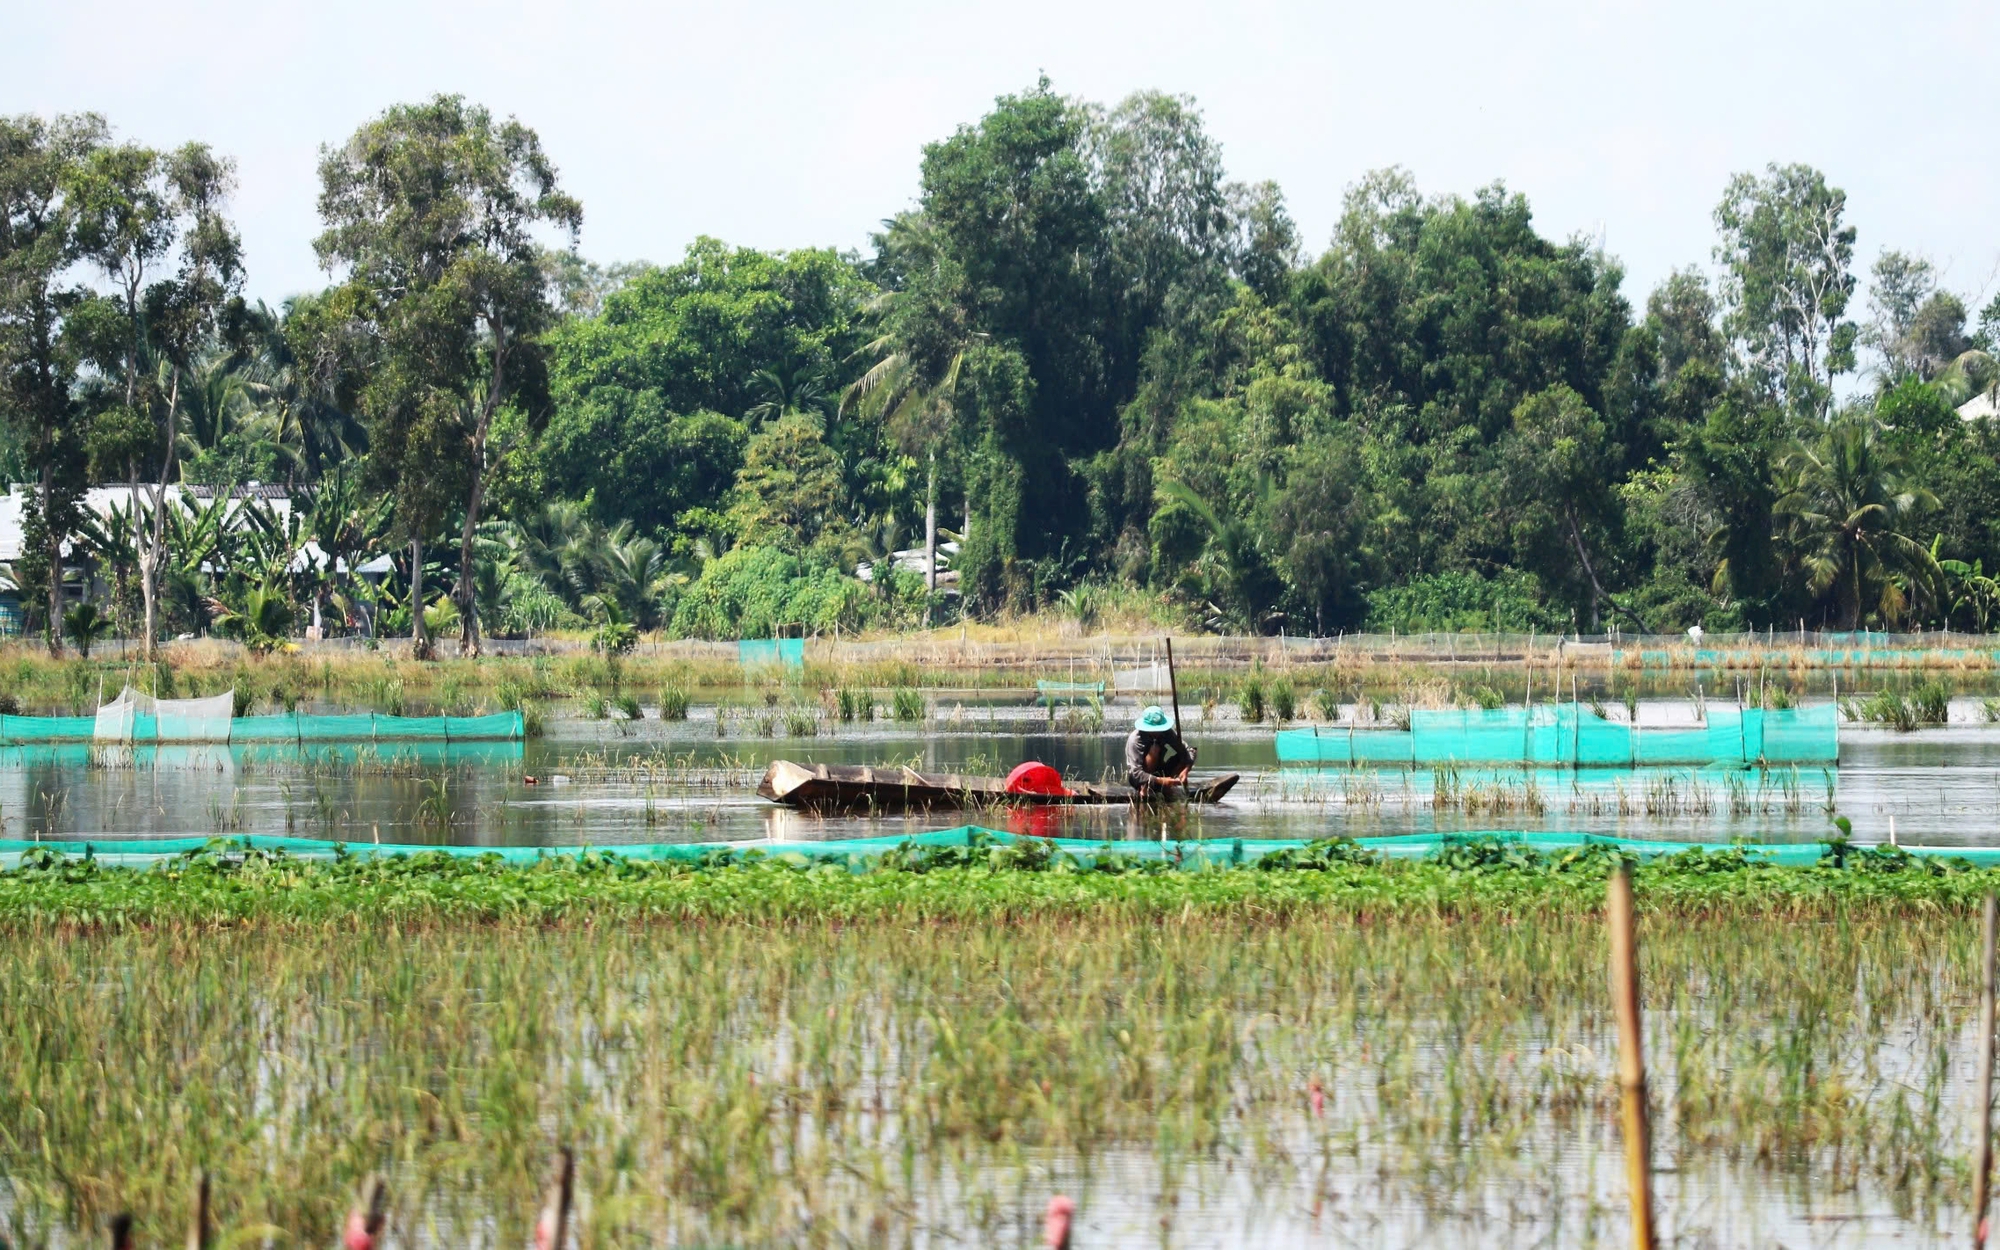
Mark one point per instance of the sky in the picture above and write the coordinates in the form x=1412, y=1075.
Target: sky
x=788, y=125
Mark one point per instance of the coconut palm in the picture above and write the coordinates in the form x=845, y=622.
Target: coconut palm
x=632, y=573
x=1846, y=503
x=917, y=403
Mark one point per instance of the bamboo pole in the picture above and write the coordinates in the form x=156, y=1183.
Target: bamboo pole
x=1631, y=1056
x=1982, y=1179
x=552, y=1230
x=198, y=1229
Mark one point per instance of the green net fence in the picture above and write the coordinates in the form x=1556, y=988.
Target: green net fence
x=859, y=853
x=129, y=726
x=753, y=652
x=1573, y=736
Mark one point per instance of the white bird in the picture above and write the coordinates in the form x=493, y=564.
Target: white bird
x=1694, y=634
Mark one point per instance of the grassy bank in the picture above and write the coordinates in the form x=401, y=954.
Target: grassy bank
x=885, y=682
x=911, y=1053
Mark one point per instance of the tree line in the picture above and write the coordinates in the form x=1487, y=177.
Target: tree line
x=1103, y=369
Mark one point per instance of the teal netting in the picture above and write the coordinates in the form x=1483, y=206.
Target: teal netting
x=29, y=730
x=858, y=852
x=128, y=726
x=1568, y=735
x=752, y=652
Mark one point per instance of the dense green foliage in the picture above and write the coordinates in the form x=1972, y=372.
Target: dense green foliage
x=985, y=881
x=1084, y=355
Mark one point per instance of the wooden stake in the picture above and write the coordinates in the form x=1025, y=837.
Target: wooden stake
x=121, y=1232
x=552, y=1230
x=1631, y=1056
x=1982, y=1179
x=198, y=1219
x=369, y=1213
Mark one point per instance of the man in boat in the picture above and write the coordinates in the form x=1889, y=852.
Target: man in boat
x=1156, y=759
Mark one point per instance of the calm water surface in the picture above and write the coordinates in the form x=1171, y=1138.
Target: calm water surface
x=606, y=783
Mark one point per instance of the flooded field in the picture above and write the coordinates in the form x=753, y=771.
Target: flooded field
x=882, y=1085
x=836, y=1084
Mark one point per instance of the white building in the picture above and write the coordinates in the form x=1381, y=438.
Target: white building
x=100, y=502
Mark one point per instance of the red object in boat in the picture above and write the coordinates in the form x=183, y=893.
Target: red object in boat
x=1035, y=777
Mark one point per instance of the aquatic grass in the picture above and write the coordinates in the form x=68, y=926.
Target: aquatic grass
x=1250, y=701
x=673, y=703
x=906, y=705
x=766, y=1053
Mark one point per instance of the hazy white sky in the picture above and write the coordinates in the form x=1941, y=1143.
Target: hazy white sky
x=786, y=125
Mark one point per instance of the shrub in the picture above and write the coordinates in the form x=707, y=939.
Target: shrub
x=751, y=591
x=1453, y=601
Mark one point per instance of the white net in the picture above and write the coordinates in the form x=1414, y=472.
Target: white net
x=135, y=716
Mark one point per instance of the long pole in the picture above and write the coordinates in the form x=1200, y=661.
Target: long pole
x=1982, y=1180
x=1631, y=1056
x=1174, y=693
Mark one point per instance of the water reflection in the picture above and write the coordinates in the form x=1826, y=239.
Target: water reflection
x=607, y=784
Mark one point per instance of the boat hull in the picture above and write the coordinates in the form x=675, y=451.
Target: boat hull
x=836, y=787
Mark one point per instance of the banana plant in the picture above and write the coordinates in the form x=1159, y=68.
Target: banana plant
x=1974, y=591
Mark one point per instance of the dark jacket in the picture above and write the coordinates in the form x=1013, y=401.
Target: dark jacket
x=1173, y=757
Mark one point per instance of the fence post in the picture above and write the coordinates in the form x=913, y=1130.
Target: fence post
x=1631, y=1055
x=1982, y=1179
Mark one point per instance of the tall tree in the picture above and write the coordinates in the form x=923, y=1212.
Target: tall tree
x=432, y=210
x=143, y=211
x=1559, y=460
x=39, y=244
x=1788, y=263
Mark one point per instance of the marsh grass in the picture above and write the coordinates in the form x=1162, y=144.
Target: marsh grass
x=845, y=1071
x=906, y=705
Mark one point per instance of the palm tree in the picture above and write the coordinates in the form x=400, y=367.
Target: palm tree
x=85, y=625
x=1233, y=553
x=631, y=573
x=919, y=407
x=1848, y=496
x=804, y=392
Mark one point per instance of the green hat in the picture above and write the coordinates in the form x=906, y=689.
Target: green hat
x=1154, y=720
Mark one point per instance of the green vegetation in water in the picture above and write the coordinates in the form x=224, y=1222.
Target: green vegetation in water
x=906, y=705
x=765, y=1052
x=854, y=704
x=673, y=703
x=1929, y=704
x=1250, y=700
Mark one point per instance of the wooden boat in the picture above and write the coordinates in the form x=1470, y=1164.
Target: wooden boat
x=841, y=786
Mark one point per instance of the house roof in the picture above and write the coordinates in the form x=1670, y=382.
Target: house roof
x=1979, y=406
x=102, y=499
